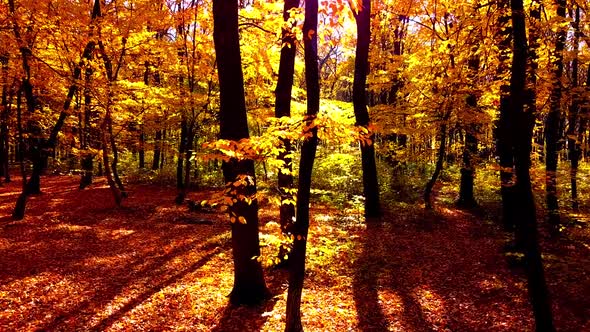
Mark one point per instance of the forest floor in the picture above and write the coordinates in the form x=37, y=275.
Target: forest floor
x=78, y=263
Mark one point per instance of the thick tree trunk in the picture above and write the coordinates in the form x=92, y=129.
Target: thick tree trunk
x=359, y=98
x=525, y=212
x=249, y=285
x=283, y=108
x=552, y=124
x=308, y=151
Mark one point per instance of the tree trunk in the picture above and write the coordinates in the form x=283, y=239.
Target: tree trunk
x=572, y=134
x=141, y=152
x=439, y=166
x=308, y=151
x=21, y=202
x=249, y=285
x=283, y=108
x=87, y=157
x=525, y=212
x=4, y=121
x=552, y=134
x=157, y=144
x=180, y=185
x=466, y=196
x=105, y=157
x=359, y=97
x=504, y=126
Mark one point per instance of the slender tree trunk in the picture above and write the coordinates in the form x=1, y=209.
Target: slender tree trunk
x=105, y=157
x=525, y=212
x=157, y=144
x=114, y=165
x=180, y=184
x=141, y=152
x=21, y=202
x=504, y=126
x=283, y=109
x=249, y=285
x=308, y=151
x=188, y=157
x=359, y=97
x=466, y=196
x=87, y=157
x=163, y=149
x=4, y=120
x=552, y=134
x=572, y=133
x=439, y=166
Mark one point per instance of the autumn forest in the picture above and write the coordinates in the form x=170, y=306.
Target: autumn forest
x=287, y=165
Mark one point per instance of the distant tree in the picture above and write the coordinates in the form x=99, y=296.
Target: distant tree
x=552, y=121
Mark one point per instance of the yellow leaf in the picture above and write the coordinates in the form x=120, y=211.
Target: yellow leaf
x=242, y=220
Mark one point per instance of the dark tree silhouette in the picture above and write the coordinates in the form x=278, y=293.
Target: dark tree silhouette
x=308, y=150
x=249, y=286
x=359, y=99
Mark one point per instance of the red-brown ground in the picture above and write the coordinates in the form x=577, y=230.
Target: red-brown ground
x=78, y=263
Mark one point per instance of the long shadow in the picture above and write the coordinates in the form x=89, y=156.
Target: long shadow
x=251, y=318
x=108, y=321
x=117, y=283
x=367, y=269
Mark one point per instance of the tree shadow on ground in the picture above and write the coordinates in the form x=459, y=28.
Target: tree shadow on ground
x=97, y=264
x=232, y=317
x=427, y=271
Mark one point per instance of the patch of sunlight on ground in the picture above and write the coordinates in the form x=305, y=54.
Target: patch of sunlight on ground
x=392, y=306
x=37, y=293
x=433, y=306
x=188, y=301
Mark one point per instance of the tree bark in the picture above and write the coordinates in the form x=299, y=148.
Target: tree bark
x=308, y=151
x=439, y=165
x=359, y=98
x=525, y=212
x=87, y=157
x=249, y=285
x=504, y=125
x=552, y=123
x=157, y=143
x=180, y=184
x=283, y=108
x=572, y=134
x=466, y=196
x=4, y=136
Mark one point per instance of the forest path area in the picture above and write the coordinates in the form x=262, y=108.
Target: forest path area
x=79, y=263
